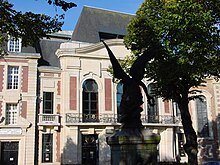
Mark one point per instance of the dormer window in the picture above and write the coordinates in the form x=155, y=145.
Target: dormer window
x=106, y=36
x=14, y=45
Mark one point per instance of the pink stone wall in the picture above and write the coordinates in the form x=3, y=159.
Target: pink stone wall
x=73, y=93
x=108, y=94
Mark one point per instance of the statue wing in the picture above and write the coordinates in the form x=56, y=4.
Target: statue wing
x=118, y=72
x=137, y=69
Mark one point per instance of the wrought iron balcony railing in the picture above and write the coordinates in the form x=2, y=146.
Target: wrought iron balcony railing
x=72, y=118
x=49, y=119
x=80, y=118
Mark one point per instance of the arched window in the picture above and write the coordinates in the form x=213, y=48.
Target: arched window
x=152, y=110
x=90, y=101
x=202, y=117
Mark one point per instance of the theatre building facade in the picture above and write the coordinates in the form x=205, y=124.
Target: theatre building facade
x=58, y=106
x=79, y=109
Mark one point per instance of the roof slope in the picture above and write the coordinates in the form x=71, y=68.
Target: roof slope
x=94, y=20
x=47, y=51
x=48, y=46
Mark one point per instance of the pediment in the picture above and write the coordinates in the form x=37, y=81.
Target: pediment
x=116, y=45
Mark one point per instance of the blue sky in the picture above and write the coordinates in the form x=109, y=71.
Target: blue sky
x=72, y=15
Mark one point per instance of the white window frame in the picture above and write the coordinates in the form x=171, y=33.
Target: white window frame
x=14, y=45
x=11, y=113
x=13, y=77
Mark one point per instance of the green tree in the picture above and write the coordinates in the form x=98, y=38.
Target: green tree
x=188, y=34
x=29, y=26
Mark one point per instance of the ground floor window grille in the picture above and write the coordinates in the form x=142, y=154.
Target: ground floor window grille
x=47, y=147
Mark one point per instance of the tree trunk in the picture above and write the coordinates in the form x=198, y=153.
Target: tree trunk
x=191, y=145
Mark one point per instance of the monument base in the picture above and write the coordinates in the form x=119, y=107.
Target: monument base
x=134, y=147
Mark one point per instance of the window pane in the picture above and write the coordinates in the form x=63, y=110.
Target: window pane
x=47, y=147
x=14, y=45
x=48, y=102
x=202, y=117
x=90, y=99
x=13, y=77
x=48, y=95
x=119, y=96
x=90, y=86
x=48, y=105
x=86, y=105
x=153, y=110
x=85, y=96
x=94, y=96
x=93, y=105
x=93, y=111
x=11, y=114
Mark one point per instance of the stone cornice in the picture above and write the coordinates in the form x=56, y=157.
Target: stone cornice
x=49, y=69
x=22, y=55
x=77, y=52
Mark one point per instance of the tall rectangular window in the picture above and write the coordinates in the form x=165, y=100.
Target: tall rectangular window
x=48, y=102
x=47, y=147
x=14, y=45
x=180, y=144
x=153, y=110
x=13, y=77
x=11, y=114
x=119, y=97
x=202, y=117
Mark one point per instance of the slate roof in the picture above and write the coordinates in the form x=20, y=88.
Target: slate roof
x=95, y=20
x=48, y=47
x=47, y=50
x=90, y=23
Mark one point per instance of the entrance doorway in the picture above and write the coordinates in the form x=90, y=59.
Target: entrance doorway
x=90, y=149
x=9, y=153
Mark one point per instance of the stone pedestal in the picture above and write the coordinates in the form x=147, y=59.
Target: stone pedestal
x=134, y=147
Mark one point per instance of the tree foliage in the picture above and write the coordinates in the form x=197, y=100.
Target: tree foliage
x=188, y=34
x=29, y=26
x=189, y=37
x=63, y=4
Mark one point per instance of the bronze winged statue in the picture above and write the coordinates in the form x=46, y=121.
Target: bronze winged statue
x=132, y=99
